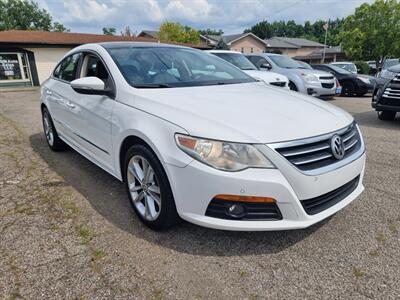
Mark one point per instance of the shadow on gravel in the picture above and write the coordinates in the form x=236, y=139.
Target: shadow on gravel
x=108, y=197
x=370, y=119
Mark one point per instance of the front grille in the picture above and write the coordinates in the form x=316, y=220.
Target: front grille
x=252, y=211
x=326, y=77
x=308, y=156
x=327, y=85
x=392, y=92
x=396, y=79
x=320, y=203
x=278, y=83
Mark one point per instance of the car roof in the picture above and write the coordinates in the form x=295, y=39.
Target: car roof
x=341, y=62
x=223, y=51
x=113, y=45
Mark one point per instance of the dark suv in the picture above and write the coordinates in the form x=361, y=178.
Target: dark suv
x=386, y=97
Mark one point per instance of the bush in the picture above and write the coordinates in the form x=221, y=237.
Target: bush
x=362, y=67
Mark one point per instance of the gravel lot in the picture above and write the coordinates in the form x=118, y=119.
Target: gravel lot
x=68, y=231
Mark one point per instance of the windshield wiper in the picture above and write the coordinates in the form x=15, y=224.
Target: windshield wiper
x=152, y=86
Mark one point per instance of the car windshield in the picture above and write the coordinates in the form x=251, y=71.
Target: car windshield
x=339, y=70
x=305, y=65
x=390, y=63
x=286, y=62
x=165, y=67
x=239, y=60
x=349, y=67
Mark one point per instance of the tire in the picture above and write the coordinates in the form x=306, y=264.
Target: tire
x=151, y=196
x=348, y=88
x=293, y=87
x=50, y=133
x=386, y=115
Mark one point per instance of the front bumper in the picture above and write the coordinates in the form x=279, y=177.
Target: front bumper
x=317, y=90
x=386, y=97
x=195, y=185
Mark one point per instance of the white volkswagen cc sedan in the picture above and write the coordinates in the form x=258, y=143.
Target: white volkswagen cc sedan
x=194, y=137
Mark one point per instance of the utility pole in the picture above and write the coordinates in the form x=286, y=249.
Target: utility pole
x=326, y=27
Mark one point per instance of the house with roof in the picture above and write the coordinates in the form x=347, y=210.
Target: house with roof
x=292, y=46
x=27, y=58
x=332, y=54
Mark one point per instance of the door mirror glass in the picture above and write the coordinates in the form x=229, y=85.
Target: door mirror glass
x=89, y=85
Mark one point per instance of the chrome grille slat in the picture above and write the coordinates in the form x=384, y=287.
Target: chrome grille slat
x=350, y=145
x=348, y=137
x=311, y=160
x=313, y=154
x=305, y=151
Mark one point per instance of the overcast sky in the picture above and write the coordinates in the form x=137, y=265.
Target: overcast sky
x=232, y=16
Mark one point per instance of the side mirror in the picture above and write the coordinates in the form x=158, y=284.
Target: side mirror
x=265, y=66
x=89, y=86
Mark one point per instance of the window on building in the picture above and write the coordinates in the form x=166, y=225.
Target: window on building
x=14, y=68
x=242, y=50
x=251, y=50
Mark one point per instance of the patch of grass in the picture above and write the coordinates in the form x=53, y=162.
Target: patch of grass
x=71, y=208
x=253, y=296
x=243, y=273
x=380, y=237
x=358, y=273
x=84, y=233
x=373, y=253
x=14, y=158
x=23, y=209
x=98, y=254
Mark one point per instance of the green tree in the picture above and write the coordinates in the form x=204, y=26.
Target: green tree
x=221, y=45
x=209, y=31
x=26, y=15
x=175, y=32
x=109, y=30
x=58, y=27
x=373, y=31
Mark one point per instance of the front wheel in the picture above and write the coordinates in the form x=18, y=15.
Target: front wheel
x=348, y=88
x=386, y=115
x=148, y=188
x=50, y=132
x=293, y=87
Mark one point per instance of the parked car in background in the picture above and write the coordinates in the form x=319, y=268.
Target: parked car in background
x=390, y=62
x=307, y=81
x=352, y=84
x=243, y=63
x=386, y=96
x=193, y=136
x=349, y=66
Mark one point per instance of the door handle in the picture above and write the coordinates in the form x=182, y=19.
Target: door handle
x=48, y=92
x=70, y=105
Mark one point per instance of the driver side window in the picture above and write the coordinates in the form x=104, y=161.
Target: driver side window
x=93, y=66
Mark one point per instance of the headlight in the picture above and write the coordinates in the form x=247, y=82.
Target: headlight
x=221, y=155
x=387, y=74
x=365, y=80
x=310, y=77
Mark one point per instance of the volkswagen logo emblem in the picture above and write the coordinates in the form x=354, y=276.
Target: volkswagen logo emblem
x=337, y=147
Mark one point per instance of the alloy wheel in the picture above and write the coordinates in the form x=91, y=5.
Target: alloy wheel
x=48, y=129
x=144, y=188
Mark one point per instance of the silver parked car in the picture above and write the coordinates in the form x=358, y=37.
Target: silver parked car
x=307, y=81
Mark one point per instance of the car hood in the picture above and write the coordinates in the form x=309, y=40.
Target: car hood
x=267, y=76
x=310, y=71
x=247, y=112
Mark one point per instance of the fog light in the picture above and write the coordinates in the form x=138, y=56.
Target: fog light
x=236, y=210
